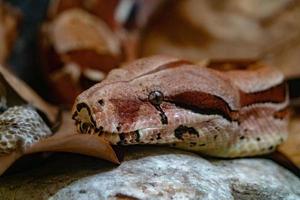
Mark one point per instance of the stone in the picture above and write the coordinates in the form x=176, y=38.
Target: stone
x=151, y=173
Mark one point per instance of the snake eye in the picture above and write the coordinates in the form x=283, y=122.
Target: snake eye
x=156, y=97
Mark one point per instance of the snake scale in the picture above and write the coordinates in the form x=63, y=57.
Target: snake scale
x=218, y=108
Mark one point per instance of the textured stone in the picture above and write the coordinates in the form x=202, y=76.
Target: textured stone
x=187, y=176
x=151, y=173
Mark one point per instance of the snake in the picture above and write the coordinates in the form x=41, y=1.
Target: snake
x=221, y=108
x=20, y=127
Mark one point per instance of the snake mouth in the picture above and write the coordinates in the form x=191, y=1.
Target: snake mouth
x=86, y=125
x=115, y=138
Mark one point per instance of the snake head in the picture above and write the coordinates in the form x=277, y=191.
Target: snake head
x=119, y=107
x=165, y=100
x=157, y=95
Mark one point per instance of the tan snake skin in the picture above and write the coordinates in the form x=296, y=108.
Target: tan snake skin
x=222, y=109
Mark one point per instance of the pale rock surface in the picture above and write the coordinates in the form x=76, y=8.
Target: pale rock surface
x=151, y=173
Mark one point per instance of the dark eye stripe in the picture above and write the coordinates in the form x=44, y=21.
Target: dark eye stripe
x=204, y=103
x=276, y=94
x=200, y=102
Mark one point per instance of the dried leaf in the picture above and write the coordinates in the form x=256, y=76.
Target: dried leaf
x=65, y=139
x=96, y=47
x=8, y=160
x=101, y=8
x=64, y=44
x=231, y=29
x=19, y=93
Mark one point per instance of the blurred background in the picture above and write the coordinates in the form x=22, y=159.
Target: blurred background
x=62, y=47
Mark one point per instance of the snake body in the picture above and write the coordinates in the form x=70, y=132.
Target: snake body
x=20, y=127
x=223, y=109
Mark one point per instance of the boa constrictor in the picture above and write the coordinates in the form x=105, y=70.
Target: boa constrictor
x=223, y=109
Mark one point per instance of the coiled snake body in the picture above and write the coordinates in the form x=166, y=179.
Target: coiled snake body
x=223, y=109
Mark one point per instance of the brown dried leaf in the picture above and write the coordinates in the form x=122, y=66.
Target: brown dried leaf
x=96, y=47
x=64, y=44
x=8, y=160
x=65, y=139
x=101, y=8
x=197, y=29
x=19, y=93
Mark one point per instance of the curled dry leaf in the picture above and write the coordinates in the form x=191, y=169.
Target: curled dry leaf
x=67, y=140
x=95, y=47
x=229, y=29
x=66, y=46
x=19, y=93
x=25, y=124
x=101, y=8
x=58, y=6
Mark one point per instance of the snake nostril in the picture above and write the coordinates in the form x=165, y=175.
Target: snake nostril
x=84, y=127
x=101, y=102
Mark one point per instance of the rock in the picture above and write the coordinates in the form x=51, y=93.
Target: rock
x=151, y=173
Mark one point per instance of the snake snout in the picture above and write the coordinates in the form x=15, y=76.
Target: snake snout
x=83, y=119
